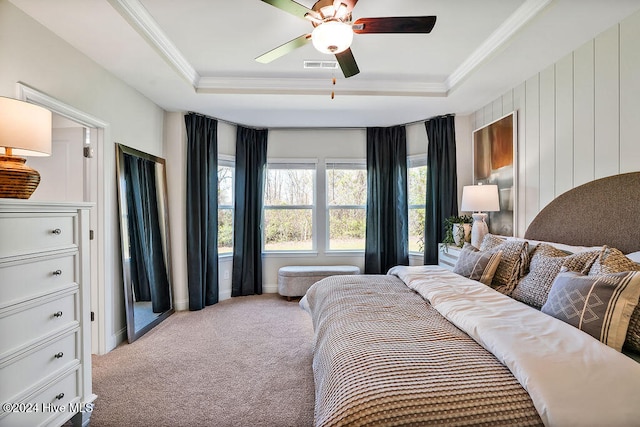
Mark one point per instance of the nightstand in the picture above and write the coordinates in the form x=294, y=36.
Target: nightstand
x=448, y=256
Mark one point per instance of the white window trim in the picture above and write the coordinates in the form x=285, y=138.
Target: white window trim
x=355, y=164
x=292, y=163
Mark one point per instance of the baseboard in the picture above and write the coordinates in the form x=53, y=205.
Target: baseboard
x=270, y=289
x=181, y=305
x=116, y=339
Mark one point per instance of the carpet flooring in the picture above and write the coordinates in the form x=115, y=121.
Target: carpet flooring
x=245, y=361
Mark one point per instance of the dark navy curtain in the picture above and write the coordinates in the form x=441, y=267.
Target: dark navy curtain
x=148, y=268
x=251, y=162
x=386, y=243
x=202, y=210
x=442, y=183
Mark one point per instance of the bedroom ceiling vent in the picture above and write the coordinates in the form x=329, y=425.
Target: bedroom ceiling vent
x=325, y=65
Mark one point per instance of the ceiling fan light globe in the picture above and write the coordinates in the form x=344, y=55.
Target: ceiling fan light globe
x=332, y=37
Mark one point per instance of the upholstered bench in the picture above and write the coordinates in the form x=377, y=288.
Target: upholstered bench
x=294, y=281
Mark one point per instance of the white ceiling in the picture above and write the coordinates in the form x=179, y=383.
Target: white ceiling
x=198, y=55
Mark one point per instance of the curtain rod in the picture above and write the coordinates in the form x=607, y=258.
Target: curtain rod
x=312, y=128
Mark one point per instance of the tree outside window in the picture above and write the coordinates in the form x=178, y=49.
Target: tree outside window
x=346, y=205
x=289, y=202
x=417, y=191
x=225, y=207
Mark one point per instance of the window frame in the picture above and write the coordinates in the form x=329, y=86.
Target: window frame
x=298, y=163
x=413, y=161
x=228, y=161
x=358, y=164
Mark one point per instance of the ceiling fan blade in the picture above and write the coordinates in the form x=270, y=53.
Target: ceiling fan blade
x=347, y=63
x=404, y=24
x=350, y=4
x=282, y=50
x=289, y=6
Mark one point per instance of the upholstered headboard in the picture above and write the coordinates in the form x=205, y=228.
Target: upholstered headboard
x=601, y=212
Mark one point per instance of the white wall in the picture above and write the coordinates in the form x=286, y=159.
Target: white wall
x=36, y=57
x=578, y=120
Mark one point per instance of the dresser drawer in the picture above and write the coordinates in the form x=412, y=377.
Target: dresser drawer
x=20, y=373
x=35, y=232
x=53, y=404
x=33, y=277
x=25, y=323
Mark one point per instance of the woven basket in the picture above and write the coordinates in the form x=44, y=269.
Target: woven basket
x=17, y=180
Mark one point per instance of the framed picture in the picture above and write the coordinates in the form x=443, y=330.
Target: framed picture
x=494, y=162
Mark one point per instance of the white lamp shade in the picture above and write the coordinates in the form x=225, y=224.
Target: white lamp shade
x=24, y=127
x=332, y=37
x=480, y=198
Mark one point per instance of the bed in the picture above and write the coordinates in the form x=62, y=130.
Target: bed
x=493, y=343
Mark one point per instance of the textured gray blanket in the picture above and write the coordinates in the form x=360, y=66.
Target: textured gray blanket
x=383, y=356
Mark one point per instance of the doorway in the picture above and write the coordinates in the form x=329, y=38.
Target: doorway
x=71, y=174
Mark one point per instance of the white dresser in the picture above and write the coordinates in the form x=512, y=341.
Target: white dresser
x=45, y=331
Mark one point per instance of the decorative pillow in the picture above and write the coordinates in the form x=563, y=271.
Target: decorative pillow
x=514, y=252
x=598, y=305
x=612, y=260
x=633, y=333
x=476, y=265
x=546, y=262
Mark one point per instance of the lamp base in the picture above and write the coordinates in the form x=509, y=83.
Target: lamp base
x=479, y=229
x=17, y=180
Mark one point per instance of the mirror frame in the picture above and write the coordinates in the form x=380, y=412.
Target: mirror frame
x=122, y=150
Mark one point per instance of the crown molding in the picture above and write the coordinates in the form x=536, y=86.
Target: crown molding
x=298, y=86
x=140, y=19
x=496, y=40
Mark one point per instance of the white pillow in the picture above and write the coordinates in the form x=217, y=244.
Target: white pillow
x=634, y=256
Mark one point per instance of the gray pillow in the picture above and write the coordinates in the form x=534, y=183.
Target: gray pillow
x=546, y=262
x=611, y=260
x=476, y=265
x=514, y=253
x=598, y=305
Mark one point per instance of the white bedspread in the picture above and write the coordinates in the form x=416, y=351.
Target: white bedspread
x=572, y=378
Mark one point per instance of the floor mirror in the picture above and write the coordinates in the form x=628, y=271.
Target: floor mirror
x=144, y=233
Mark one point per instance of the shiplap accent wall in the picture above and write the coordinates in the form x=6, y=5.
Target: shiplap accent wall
x=578, y=120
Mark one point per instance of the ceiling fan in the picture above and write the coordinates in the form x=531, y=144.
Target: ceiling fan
x=333, y=29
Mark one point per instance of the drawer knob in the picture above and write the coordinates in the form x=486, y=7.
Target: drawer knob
x=57, y=273
x=57, y=314
x=56, y=231
x=58, y=355
x=60, y=396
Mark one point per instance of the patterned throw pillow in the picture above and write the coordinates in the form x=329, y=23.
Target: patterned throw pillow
x=476, y=265
x=546, y=262
x=598, y=305
x=514, y=253
x=612, y=260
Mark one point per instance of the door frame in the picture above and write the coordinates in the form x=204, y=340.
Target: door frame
x=94, y=191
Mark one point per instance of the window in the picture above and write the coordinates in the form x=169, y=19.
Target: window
x=225, y=206
x=417, y=183
x=289, y=202
x=346, y=205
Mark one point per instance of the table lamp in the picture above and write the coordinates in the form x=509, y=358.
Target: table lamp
x=25, y=130
x=476, y=199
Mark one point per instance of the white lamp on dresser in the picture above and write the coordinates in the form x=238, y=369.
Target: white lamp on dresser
x=45, y=329
x=479, y=199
